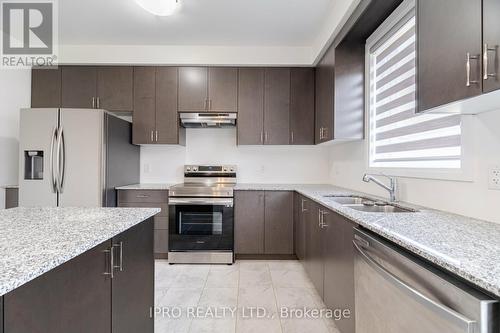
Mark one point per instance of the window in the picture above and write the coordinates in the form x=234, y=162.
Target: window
x=399, y=138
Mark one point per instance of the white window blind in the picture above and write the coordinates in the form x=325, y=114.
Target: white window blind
x=399, y=138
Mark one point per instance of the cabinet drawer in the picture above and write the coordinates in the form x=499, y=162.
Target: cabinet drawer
x=161, y=242
x=161, y=222
x=163, y=206
x=148, y=196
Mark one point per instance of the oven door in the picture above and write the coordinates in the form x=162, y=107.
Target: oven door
x=201, y=224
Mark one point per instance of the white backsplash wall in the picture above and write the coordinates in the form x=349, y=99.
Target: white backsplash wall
x=15, y=92
x=348, y=161
x=256, y=164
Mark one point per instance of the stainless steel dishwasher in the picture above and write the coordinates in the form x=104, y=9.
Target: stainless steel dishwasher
x=397, y=292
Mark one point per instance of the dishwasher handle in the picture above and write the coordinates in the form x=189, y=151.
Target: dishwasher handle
x=468, y=325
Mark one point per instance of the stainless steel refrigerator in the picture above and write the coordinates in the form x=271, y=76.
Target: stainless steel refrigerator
x=74, y=157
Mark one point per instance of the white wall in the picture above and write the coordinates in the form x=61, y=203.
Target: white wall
x=348, y=163
x=255, y=163
x=15, y=92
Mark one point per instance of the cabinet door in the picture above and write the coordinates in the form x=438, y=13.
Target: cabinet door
x=314, y=250
x=46, y=88
x=115, y=88
x=251, y=106
x=167, y=122
x=277, y=106
x=302, y=206
x=161, y=243
x=491, y=40
x=133, y=283
x=74, y=297
x=223, y=89
x=79, y=87
x=302, y=106
x=339, y=268
x=278, y=234
x=193, y=89
x=144, y=115
x=325, y=97
x=447, y=31
x=249, y=222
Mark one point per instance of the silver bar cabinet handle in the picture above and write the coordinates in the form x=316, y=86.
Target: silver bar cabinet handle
x=266, y=137
x=98, y=102
x=111, y=262
x=302, y=205
x=487, y=49
x=468, y=70
x=152, y=136
x=93, y=103
x=120, y=261
x=156, y=136
x=262, y=137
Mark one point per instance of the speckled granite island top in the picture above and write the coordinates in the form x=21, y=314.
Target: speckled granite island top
x=467, y=247
x=35, y=240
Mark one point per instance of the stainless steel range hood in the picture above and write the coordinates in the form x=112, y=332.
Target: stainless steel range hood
x=207, y=120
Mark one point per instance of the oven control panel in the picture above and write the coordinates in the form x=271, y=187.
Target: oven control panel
x=210, y=169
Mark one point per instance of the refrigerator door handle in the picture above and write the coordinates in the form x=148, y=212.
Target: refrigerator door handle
x=53, y=174
x=61, y=159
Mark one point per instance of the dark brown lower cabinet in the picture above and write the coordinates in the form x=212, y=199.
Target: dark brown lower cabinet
x=74, y=297
x=79, y=297
x=133, y=283
x=338, y=287
x=314, y=249
x=249, y=222
x=302, y=211
x=11, y=197
x=278, y=234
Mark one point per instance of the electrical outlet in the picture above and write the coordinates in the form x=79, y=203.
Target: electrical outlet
x=494, y=177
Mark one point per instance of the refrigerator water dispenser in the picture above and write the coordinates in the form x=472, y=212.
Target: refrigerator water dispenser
x=33, y=164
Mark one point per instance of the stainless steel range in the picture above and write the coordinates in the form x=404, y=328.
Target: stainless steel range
x=201, y=216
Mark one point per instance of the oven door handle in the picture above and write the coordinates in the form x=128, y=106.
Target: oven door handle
x=228, y=202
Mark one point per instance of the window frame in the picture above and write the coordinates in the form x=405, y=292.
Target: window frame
x=466, y=171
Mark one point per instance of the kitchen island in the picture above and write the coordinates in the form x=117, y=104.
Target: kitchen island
x=76, y=269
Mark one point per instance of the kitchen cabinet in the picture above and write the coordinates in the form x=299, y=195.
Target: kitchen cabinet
x=81, y=295
x=263, y=222
x=74, y=297
x=302, y=211
x=11, y=197
x=278, y=212
x=302, y=106
x=155, y=119
x=449, y=51
x=249, y=225
x=314, y=261
x=79, y=87
x=46, y=87
x=133, y=283
x=109, y=88
x=338, y=287
x=213, y=89
x=151, y=199
x=491, y=44
x=250, y=106
x=115, y=86
x=277, y=106
x=325, y=97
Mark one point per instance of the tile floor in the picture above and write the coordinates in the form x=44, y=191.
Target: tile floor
x=248, y=286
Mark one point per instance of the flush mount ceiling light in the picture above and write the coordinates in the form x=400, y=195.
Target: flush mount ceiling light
x=159, y=7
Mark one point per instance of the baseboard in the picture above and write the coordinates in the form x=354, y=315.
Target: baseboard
x=266, y=257
x=161, y=255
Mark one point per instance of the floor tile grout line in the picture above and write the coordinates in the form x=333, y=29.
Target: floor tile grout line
x=199, y=299
x=275, y=298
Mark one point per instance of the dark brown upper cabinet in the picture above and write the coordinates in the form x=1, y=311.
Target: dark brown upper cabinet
x=325, y=97
x=79, y=87
x=155, y=118
x=115, y=88
x=491, y=45
x=449, y=51
x=211, y=89
x=277, y=106
x=222, y=89
x=109, y=88
x=46, y=87
x=302, y=106
x=250, y=106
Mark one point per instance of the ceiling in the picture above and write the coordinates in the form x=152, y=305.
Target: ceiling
x=273, y=23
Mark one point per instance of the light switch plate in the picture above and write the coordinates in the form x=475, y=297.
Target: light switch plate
x=494, y=177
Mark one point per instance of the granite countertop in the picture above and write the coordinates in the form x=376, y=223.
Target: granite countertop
x=466, y=247
x=9, y=187
x=35, y=240
x=145, y=186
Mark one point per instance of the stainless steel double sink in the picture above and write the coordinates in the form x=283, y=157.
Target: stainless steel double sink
x=368, y=205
